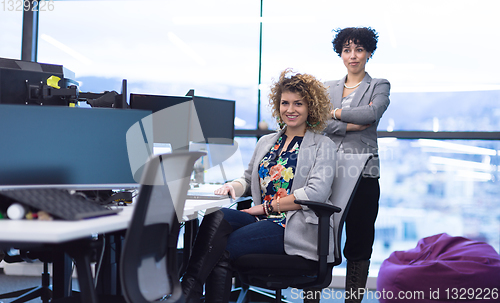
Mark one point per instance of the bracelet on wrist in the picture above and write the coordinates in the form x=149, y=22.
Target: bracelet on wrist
x=334, y=112
x=269, y=208
x=278, y=204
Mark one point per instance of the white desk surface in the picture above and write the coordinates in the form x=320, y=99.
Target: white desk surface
x=60, y=231
x=193, y=207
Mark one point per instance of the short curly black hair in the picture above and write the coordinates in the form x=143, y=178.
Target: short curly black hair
x=364, y=36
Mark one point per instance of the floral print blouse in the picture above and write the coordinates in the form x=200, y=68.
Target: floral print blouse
x=276, y=173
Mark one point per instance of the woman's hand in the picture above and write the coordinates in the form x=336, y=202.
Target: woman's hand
x=254, y=210
x=226, y=189
x=351, y=127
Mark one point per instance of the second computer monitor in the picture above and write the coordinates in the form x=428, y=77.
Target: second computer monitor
x=216, y=119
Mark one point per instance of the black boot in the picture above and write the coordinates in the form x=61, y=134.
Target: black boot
x=208, y=248
x=219, y=282
x=312, y=295
x=357, y=274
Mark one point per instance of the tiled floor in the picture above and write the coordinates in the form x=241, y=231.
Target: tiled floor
x=327, y=295
x=14, y=283
x=10, y=283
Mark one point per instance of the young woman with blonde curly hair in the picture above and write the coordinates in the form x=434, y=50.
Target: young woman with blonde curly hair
x=296, y=162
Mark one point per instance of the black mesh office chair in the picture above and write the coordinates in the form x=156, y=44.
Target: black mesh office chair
x=44, y=291
x=277, y=272
x=148, y=267
x=148, y=262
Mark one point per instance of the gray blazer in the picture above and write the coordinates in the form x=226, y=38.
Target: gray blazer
x=365, y=141
x=313, y=181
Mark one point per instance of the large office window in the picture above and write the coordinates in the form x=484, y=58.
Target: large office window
x=437, y=186
x=10, y=32
x=445, y=111
x=438, y=55
x=420, y=50
x=160, y=47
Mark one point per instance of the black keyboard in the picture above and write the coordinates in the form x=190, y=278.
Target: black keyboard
x=59, y=203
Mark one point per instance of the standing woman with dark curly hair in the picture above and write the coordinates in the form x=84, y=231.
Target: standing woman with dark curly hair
x=296, y=162
x=359, y=102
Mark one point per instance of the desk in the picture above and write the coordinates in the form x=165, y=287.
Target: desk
x=61, y=236
x=193, y=207
x=75, y=237
x=33, y=232
x=60, y=231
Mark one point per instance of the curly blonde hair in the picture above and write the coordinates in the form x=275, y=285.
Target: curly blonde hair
x=312, y=91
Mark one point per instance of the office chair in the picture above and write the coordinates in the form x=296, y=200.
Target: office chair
x=148, y=263
x=278, y=272
x=148, y=266
x=44, y=291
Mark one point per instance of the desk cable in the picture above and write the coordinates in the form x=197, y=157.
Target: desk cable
x=70, y=288
x=99, y=263
x=98, y=270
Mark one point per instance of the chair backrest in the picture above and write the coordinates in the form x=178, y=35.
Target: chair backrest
x=148, y=269
x=347, y=176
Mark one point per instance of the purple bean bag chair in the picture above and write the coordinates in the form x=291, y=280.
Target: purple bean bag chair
x=441, y=269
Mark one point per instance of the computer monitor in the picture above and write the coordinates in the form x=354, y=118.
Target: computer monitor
x=155, y=103
x=59, y=146
x=216, y=119
x=24, y=82
x=171, y=118
x=214, y=116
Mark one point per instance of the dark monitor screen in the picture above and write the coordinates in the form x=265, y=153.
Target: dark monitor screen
x=66, y=146
x=155, y=103
x=216, y=116
x=216, y=119
x=170, y=126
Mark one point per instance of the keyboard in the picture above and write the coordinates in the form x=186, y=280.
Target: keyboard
x=59, y=203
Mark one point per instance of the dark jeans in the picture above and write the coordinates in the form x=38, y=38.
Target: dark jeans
x=250, y=236
x=360, y=221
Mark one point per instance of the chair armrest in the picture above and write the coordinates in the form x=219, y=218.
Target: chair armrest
x=324, y=212
x=320, y=209
x=243, y=202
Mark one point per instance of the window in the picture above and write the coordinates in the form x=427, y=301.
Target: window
x=443, y=111
x=437, y=186
x=11, y=32
x=160, y=47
